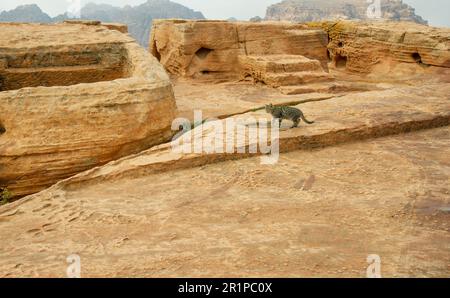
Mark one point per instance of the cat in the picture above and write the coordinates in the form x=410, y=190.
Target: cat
x=288, y=113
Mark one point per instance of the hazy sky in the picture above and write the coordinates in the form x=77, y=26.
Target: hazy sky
x=437, y=12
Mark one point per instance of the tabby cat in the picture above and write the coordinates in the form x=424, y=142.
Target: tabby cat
x=288, y=113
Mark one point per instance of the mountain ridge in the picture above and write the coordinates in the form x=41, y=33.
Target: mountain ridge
x=319, y=10
x=25, y=13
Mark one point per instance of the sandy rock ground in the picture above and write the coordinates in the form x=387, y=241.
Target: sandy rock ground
x=371, y=176
x=222, y=99
x=316, y=213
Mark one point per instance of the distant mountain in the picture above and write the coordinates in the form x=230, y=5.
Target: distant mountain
x=317, y=10
x=138, y=18
x=25, y=13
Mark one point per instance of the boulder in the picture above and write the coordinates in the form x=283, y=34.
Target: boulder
x=74, y=97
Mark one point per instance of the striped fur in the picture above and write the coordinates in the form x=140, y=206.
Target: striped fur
x=287, y=113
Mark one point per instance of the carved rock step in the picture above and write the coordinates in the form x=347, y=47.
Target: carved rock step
x=283, y=70
x=278, y=64
x=296, y=78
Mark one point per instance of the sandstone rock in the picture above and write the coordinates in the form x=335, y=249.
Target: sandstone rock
x=348, y=118
x=294, y=55
x=232, y=218
x=365, y=46
x=111, y=26
x=318, y=10
x=83, y=22
x=116, y=26
x=193, y=49
x=223, y=100
x=160, y=208
x=74, y=97
x=282, y=70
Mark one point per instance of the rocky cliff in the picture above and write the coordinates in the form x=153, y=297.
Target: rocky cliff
x=378, y=46
x=316, y=10
x=25, y=13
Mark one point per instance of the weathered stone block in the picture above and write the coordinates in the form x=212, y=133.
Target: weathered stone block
x=75, y=97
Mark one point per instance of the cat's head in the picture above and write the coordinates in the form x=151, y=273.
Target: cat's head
x=269, y=108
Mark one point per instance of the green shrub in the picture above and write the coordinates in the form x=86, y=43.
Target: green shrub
x=5, y=196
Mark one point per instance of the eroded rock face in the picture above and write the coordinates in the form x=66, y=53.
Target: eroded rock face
x=74, y=97
x=317, y=10
x=211, y=49
x=296, y=54
x=363, y=46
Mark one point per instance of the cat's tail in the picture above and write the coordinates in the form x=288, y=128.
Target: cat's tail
x=306, y=121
